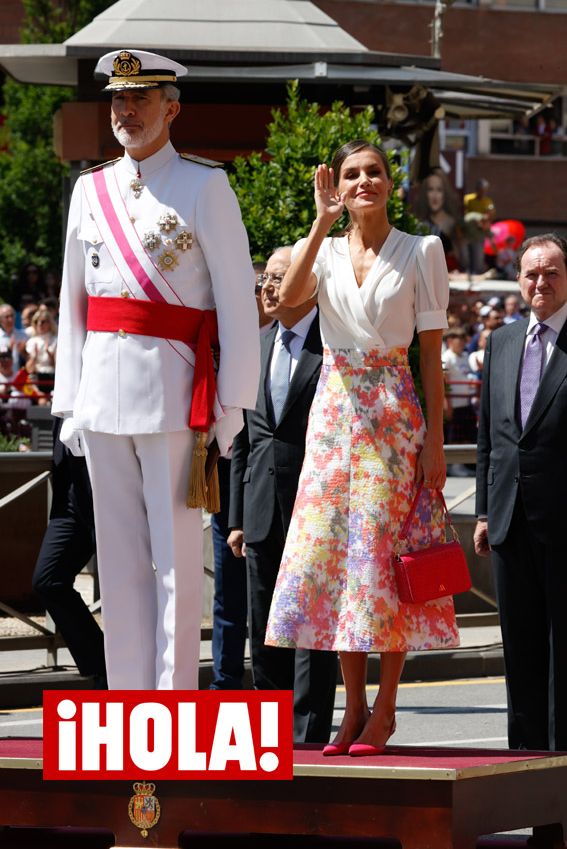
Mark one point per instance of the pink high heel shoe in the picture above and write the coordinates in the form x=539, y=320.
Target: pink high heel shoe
x=365, y=750
x=334, y=749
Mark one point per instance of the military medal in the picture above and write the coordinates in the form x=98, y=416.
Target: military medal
x=143, y=808
x=167, y=261
x=168, y=221
x=151, y=240
x=137, y=187
x=184, y=241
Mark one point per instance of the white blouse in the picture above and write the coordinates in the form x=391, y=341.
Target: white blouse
x=407, y=287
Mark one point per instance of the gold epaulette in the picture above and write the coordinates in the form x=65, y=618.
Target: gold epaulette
x=102, y=165
x=200, y=160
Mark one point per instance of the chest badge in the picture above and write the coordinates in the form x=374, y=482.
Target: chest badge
x=167, y=261
x=151, y=240
x=95, y=260
x=168, y=221
x=137, y=187
x=184, y=241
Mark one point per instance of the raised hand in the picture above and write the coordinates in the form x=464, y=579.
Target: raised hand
x=330, y=204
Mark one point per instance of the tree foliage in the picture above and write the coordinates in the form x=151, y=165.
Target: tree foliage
x=31, y=176
x=275, y=188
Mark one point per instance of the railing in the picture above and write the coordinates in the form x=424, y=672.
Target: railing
x=528, y=144
x=47, y=637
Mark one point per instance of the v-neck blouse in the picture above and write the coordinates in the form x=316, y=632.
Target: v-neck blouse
x=406, y=287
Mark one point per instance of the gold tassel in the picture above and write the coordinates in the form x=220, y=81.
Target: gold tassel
x=197, y=495
x=201, y=493
x=213, y=492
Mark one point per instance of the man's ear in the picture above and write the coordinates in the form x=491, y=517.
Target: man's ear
x=173, y=110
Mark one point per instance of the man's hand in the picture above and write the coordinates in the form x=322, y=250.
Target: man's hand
x=226, y=429
x=72, y=437
x=480, y=538
x=236, y=542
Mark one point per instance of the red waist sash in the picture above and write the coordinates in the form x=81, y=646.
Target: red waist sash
x=197, y=328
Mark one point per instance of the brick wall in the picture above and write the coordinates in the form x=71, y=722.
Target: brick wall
x=11, y=15
x=496, y=43
x=532, y=190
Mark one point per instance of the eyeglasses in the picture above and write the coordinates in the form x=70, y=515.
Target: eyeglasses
x=274, y=279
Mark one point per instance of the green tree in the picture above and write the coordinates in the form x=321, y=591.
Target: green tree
x=31, y=176
x=275, y=188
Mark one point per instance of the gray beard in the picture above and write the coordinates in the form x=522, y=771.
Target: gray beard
x=138, y=139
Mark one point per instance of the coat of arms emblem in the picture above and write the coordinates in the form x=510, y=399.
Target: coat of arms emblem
x=143, y=808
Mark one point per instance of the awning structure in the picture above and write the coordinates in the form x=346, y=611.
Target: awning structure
x=251, y=43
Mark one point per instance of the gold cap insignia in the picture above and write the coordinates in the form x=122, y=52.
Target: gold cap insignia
x=125, y=65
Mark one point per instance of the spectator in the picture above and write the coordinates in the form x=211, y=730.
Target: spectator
x=511, y=309
x=460, y=414
x=476, y=358
x=7, y=373
x=41, y=349
x=506, y=260
x=30, y=286
x=10, y=337
x=544, y=132
x=28, y=313
x=478, y=216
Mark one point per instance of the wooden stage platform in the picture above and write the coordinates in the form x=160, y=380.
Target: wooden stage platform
x=420, y=798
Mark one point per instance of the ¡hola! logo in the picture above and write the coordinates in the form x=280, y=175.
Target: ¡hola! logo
x=167, y=734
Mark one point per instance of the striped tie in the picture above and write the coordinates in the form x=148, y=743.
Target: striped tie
x=532, y=368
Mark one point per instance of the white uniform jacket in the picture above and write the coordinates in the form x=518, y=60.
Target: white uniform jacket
x=130, y=384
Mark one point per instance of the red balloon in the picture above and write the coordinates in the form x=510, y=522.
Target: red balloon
x=501, y=230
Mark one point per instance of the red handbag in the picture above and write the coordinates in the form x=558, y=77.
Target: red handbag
x=433, y=572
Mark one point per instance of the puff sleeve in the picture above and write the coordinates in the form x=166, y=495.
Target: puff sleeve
x=432, y=285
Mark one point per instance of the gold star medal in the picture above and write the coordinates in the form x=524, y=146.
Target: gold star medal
x=167, y=261
x=168, y=221
x=184, y=241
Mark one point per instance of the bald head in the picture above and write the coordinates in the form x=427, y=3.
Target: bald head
x=276, y=268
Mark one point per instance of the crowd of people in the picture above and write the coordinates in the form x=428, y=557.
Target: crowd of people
x=464, y=344
x=28, y=351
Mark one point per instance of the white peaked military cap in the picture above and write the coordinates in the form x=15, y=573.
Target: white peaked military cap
x=129, y=69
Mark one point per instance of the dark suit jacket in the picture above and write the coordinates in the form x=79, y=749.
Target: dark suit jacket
x=533, y=460
x=267, y=458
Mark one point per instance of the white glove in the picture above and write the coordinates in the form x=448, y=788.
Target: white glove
x=227, y=427
x=72, y=437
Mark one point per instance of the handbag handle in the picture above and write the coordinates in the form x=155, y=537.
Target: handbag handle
x=409, y=518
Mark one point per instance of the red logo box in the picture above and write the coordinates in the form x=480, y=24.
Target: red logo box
x=168, y=734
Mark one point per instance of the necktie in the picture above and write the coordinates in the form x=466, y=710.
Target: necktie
x=532, y=368
x=281, y=374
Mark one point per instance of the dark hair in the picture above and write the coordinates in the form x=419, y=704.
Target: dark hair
x=450, y=202
x=354, y=147
x=543, y=239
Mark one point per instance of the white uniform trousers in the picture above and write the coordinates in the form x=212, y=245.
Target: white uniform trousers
x=150, y=558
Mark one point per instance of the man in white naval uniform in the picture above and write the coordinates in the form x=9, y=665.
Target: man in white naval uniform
x=155, y=244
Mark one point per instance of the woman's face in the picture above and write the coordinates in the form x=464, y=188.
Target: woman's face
x=434, y=192
x=42, y=325
x=364, y=180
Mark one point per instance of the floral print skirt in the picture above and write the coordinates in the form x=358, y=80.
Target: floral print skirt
x=336, y=588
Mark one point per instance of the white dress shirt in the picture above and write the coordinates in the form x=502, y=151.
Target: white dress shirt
x=554, y=324
x=301, y=329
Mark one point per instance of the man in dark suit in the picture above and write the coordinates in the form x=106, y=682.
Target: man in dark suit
x=522, y=495
x=266, y=461
x=68, y=545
